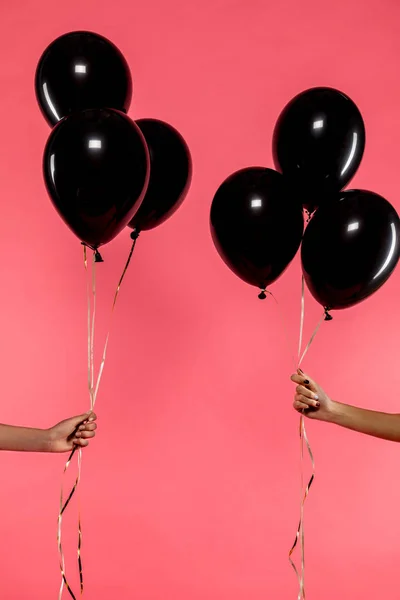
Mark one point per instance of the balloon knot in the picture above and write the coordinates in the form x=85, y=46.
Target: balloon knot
x=328, y=317
x=309, y=214
x=97, y=257
x=135, y=234
x=262, y=295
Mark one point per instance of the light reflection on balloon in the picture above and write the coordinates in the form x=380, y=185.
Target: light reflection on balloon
x=391, y=251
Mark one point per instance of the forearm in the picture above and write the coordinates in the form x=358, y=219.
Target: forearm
x=23, y=439
x=378, y=424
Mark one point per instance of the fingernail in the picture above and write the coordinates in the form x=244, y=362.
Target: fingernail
x=318, y=405
x=91, y=419
x=78, y=434
x=316, y=397
x=306, y=381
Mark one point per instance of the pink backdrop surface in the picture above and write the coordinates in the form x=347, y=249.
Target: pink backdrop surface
x=190, y=490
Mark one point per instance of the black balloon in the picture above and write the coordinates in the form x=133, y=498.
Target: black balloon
x=318, y=143
x=96, y=170
x=81, y=70
x=256, y=225
x=350, y=248
x=170, y=174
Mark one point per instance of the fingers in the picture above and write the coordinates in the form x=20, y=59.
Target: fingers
x=80, y=442
x=85, y=430
x=308, y=402
x=303, y=379
x=87, y=427
x=300, y=406
x=303, y=391
x=82, y=437
x=306, y=379
x=85, y=434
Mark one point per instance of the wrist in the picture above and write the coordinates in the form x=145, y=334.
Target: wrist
x=334, y=412
x=46, y=440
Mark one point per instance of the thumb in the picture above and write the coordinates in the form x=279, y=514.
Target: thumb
x=81, y=418
x=300, y=372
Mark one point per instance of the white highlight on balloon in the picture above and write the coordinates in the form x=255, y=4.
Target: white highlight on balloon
x=49, y=102
x=95, y=144
x=318, y=124
x=53, y=166
x=80, y=69
x=391, y=251
x=351, y=155
x=256, y=203
x=353, y=226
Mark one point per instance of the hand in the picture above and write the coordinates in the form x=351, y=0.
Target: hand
x=311, y=398
x=71, y=433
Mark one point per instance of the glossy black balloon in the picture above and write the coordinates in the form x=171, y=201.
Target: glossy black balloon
x=170, y=174
x=81, y=70
x=350, y=248
x=318, y=143
x=96, y=170
x=256, y=225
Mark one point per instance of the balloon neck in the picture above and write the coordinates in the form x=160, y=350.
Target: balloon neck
x=135, y=234
x=97, y=256
x=262, y=295
x=328, y=317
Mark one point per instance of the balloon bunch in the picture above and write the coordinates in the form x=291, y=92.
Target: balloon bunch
x=102, y=170
x=351, y=244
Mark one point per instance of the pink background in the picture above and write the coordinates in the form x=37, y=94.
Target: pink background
x=190, y=491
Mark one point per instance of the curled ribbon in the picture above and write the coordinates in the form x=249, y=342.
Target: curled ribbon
x=93, y=392
x=304, y=491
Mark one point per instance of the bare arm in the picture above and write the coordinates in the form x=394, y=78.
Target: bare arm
x=23, y=439
x=316, y=404
x=378, y=424
x=63, y=437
